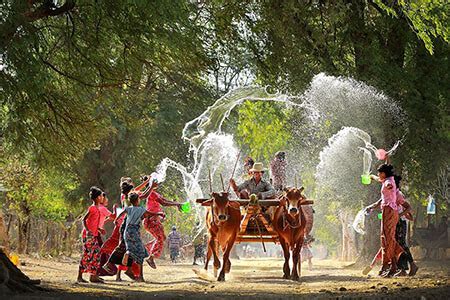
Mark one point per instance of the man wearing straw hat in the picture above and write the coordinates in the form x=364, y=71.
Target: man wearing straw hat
x=255, y=185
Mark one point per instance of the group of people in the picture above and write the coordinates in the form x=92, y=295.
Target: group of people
x=394, y=252
x=124, y=249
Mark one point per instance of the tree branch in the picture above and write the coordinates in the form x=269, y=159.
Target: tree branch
x=47, y=10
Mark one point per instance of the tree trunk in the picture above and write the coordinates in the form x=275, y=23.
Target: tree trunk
x=359, y=36
x=13, y=280
x=4, y=240
x=23, y=235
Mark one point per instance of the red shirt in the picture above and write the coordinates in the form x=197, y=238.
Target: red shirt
x=104, y=212
x=152, y=202
x=93, y=220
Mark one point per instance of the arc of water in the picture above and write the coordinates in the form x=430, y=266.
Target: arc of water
x=392, y=150
x=367, y=160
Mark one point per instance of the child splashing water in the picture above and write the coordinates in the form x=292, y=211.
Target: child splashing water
x=153, y=224
x=115, y=245
x=390, y=248
x=90, y=258
x=134, y=246
x=404, y=213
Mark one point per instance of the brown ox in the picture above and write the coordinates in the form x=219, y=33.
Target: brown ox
x=289, y=222
x=223, y=221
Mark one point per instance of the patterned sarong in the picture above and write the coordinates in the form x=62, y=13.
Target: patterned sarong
x=90, y=259
x=115, y=248
x=154, y=226
x=134, y=243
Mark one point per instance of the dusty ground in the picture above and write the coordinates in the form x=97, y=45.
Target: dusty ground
x=249, y=278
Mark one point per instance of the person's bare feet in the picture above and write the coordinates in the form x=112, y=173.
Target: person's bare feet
x=400, y=273
x=413, y=269
x=130, y=274
x=151, y=262
x=81, y=280
x=125, y=258
x=96, y=279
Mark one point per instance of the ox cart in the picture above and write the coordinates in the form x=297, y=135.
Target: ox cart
x=285, y=220
x=256, y=224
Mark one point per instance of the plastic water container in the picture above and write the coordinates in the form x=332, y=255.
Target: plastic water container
x=381, y=154
x=380, y=216
x=186, y=207
x=358, y=223
x=431, y=206
x=365, y=179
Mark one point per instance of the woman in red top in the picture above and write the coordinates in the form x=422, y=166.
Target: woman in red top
x=153, y=225
x=90, y=258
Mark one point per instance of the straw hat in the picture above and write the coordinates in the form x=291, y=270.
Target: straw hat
x=257, y=167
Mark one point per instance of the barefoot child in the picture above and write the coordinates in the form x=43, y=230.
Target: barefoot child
x=90, y=258
x=390, y=248
x=153, y=224
x=134, y=246
x=115, y=245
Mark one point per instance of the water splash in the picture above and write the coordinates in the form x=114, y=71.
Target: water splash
x=335, y=115
x=367, y=161
x=213, y=151
x=344, y=101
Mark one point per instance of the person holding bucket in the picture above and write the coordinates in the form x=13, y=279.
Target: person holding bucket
x=153, y=225
x=390, y=248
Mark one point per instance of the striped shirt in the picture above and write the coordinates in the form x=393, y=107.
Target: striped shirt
x=174, y=239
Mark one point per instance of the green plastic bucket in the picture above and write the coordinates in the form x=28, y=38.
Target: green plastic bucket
x=186, y=207
x=365, y=179
x=380, y=216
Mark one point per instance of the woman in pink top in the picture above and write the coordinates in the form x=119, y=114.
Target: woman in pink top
x=390, y=249
x=90, y=258
x=153, y=225
x=404, y=212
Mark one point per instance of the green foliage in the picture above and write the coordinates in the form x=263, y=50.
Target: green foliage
x=31, y=191
x=54, y=194
x=262, y=129
x=101, y=89
x=428, y=18
x=66, y=70
x=20, y=180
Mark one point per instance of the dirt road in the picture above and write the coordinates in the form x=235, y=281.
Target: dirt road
x=249, y=278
